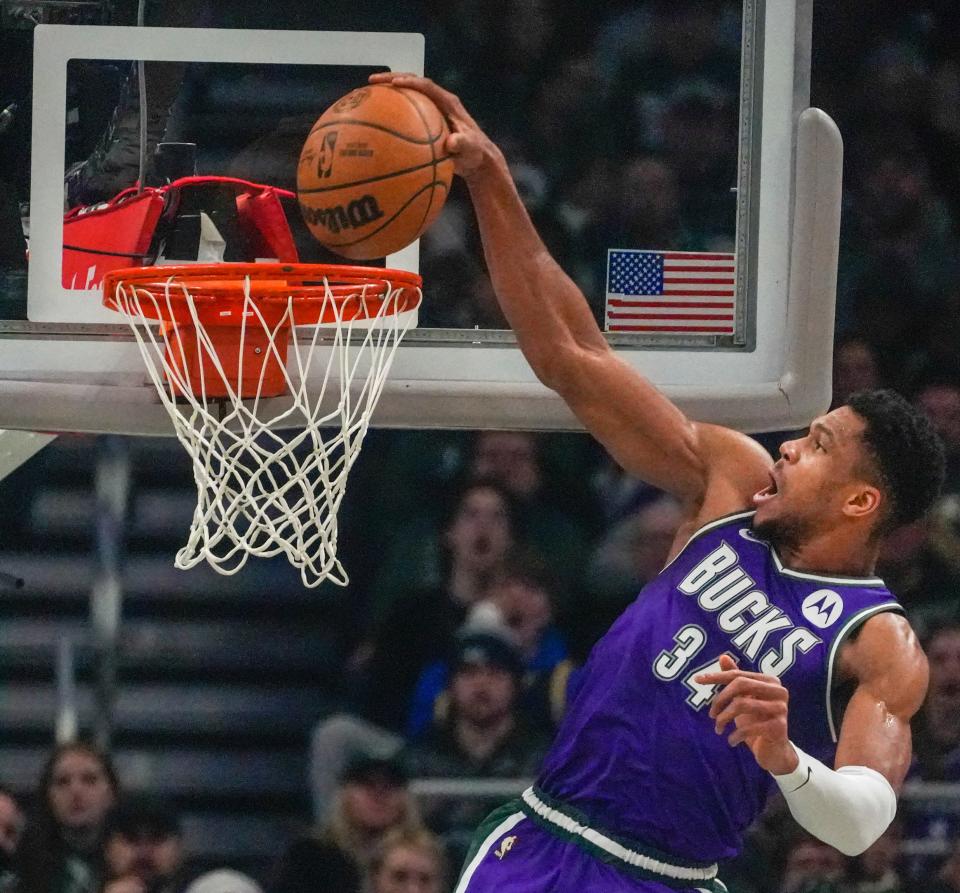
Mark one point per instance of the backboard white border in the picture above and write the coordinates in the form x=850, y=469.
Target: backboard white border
x=91, y=382
x=56, y=45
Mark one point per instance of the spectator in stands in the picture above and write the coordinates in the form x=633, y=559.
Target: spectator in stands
x=420, y=625
x=144, y=853
x=11, y=829
x=898, y=251
x=937, y=730
x=372, y=799
x=698, y=128
x=914, y=568
x=876, y=871
x=517, y=603
x=936, y=745
x=813, y=867
x=948, y=879
x=143, y=847
x=483, y=735
x=555, y=519
x=634, y=550
x=61, y=850
x=855, y=367
x=407, y=862
x=940, y=400
x=223, y=880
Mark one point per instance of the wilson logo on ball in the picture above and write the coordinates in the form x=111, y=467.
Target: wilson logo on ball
x=356, y=214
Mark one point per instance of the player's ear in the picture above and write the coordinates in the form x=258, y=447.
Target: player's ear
x=863, y=501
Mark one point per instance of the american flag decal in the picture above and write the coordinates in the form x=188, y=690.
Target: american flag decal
x=670, y=291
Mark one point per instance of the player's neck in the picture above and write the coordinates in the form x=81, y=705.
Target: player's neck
x=831, y=552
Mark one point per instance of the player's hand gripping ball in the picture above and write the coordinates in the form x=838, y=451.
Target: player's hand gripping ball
x=374, y=172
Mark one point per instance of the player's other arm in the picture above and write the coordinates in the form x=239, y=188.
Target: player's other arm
x=891, y=675
x=713, y=469
x=850, y=806
x=853, y=805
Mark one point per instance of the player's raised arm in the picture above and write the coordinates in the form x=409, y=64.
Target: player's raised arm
x=555, y=328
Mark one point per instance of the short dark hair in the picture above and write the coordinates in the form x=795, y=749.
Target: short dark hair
x=906, y=452
x=143, y=814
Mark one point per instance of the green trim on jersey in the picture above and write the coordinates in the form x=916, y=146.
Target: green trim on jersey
x=852, y=625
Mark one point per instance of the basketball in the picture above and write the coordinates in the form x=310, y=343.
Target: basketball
x=373, y=174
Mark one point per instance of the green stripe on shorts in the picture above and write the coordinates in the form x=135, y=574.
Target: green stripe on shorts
x=487, y=827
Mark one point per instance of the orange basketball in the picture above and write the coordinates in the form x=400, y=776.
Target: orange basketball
x=373, y=173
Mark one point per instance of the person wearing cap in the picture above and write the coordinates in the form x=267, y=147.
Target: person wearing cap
x=372, y=799
x=416, y=629
x=483, y=734
x=517, y=602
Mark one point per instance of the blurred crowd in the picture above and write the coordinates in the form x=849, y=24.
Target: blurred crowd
x=497, y=559
x=476, y=632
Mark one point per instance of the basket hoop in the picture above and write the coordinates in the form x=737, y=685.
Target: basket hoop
x=232, y=335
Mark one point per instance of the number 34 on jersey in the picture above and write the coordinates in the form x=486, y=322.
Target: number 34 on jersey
x=743, y=615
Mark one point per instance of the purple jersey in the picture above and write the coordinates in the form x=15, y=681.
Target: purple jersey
x=636, y=754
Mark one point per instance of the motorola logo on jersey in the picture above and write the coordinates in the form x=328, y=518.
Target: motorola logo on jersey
x=823, y=607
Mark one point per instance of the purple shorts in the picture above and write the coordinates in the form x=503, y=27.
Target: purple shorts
x=512, y=853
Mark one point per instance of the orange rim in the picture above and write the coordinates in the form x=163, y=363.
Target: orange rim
x=320, y=293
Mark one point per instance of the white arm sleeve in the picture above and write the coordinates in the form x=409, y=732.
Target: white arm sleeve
x=848, y=808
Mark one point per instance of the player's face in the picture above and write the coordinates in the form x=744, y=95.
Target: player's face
x=813, y=480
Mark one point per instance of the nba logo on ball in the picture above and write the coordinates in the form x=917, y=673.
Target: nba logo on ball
x=325, y=163
x=823, y=607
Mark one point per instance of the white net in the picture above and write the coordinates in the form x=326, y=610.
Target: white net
x=271, y=474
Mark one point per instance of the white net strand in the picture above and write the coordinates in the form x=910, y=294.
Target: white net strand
x=262, y=492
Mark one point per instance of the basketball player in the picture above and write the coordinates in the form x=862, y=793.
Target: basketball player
x=764, y=656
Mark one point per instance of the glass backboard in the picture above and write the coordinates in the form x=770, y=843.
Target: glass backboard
x=686, y=153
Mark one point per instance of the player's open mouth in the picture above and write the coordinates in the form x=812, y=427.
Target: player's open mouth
x=767, y=493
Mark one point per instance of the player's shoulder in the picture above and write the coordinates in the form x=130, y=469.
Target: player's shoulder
x=698, y=532
x=737, y=466
x=886, y=655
